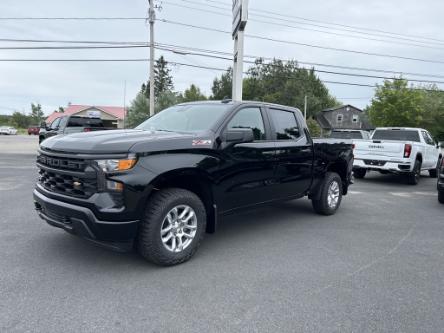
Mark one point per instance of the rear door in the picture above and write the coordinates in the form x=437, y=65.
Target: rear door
x=294, y=153
x=431, y=154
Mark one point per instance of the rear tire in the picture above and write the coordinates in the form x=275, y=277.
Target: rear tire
x=330, y=195
x=434, y=172
x=163, y=212
x=414, y=176
x=441, y=196
x=359, y=173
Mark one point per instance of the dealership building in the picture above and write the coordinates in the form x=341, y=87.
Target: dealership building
x=112, y=116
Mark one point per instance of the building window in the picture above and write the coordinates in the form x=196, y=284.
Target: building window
x=355, y=118
x=339, y=118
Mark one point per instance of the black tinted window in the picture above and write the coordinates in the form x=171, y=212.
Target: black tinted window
x=397, y=135
x=249, y=118
x=84, y=122
x=346, y=135
x=285, y=124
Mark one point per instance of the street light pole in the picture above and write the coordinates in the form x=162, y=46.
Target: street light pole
x=240, y=17
x=152, y=18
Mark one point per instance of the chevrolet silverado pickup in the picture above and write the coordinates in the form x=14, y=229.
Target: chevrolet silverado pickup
x=405, y=151
x=161, y=186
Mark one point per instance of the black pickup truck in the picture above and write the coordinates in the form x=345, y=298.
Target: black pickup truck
x=161, y=186
x=70, y=124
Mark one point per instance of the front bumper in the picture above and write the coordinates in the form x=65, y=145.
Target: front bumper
x=383, y=165
x=81, y=221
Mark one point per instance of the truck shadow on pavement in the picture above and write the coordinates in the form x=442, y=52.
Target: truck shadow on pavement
x=233, y=230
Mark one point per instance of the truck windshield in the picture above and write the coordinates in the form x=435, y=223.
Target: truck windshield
x=397, y=135
x=84, y=122
x=346, y=135
x=186, y=118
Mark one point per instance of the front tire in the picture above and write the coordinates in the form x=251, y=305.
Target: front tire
x=172, y=227
x=441, y=196
x=414, y=176
x=330, y=195
x=359, y=173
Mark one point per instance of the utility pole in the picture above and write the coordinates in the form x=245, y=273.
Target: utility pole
x=240, y=17
x=152, y=18
x=124, y=103
x=305, y=108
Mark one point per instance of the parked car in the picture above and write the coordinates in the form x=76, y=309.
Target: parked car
x=33, y=130
x=7, y=130
x=405, y=151
x=165, y=183
x=350, y=134
x=440, y=184
x=70, y=124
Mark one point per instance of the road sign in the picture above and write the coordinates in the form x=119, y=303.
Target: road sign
x=240, y=16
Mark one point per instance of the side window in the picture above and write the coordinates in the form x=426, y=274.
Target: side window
x=339, y=118
x=432, y=142
x=427, y=138
x=249, y=118
x=285, y=124
x=355, y=118
x=63, y=121
x=55, y=124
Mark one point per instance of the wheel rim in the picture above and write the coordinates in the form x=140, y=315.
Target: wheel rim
x=178, y=228
x=333, y=194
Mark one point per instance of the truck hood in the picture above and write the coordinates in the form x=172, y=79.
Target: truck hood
x=115, y=141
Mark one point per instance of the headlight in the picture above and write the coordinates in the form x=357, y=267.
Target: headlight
x=117, y=165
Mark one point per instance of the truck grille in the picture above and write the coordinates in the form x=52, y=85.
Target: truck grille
x=72, y=177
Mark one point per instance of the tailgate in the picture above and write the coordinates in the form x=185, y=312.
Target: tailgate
x=379, y=148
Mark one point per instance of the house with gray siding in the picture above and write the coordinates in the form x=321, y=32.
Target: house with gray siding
x=343, y=117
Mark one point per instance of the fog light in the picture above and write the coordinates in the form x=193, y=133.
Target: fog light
x=114, y=186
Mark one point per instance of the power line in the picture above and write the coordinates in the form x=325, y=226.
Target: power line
x=315, y=70
x=336, y=24
x=62, y=18
x=394, y=40
x=281, y=41
x=367, y=69
x=70, y=47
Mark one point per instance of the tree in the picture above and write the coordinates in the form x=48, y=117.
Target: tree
x=138, y=110
x=191, y=94
x=281, y=83
x=395, y=104
x=20, y=120
x=165, y=100
x=61, y=109
x=433, y=111
x=313, y=127
x=163, y=81
x=36, y=113
x=222, y=88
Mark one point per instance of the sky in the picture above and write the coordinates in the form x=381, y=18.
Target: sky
x=54, y=84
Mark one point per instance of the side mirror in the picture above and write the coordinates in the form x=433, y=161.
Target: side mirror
x=239, y=135
x=43, y=125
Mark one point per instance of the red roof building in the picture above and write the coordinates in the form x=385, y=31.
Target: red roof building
x=113, y=115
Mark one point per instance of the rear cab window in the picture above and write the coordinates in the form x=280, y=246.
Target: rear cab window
x=84, y=122
x=285, y=124
x=346, y=135
x=396, y=135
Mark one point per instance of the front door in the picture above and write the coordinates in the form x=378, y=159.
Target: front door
x=294, y=153
x=246, y=173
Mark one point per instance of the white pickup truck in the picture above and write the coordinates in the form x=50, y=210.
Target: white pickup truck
x=406, y=151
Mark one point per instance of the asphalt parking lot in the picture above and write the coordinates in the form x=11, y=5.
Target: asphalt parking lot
x=375, y=266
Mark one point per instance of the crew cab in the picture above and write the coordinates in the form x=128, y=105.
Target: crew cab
x=70, y=124
x=162, y=185
x=405, y=151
